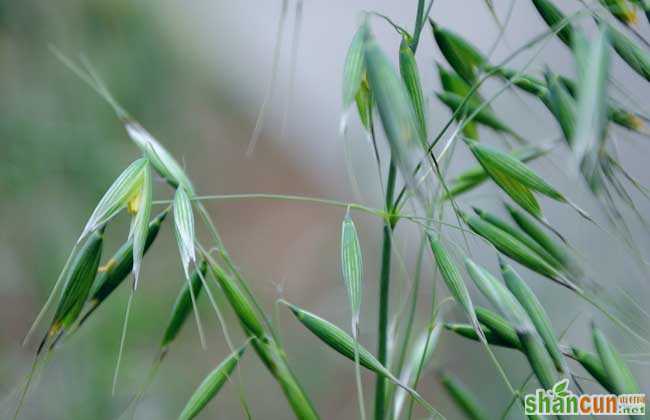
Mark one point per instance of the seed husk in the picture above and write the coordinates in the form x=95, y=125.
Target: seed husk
x=463, y=398
x=363, y=100
x=352, y=266
x=496, y=161
x=184, y=228
x=127, y=185
x=468, y=331
x=515, y=249
x=344, y=344
x=594, y=366
x=484, y=116
x=592, y=113
x=76, y=288
x=535, y=312
x=354, y=67
x=339, y=340
x=453, y=279
x=619, y=375
x=411, y=76
x=499, y=327
x=418, y=360
x=562, y=105
x=553, y=18
x=538, y=358
x=519, y=235
x=239, y=301
x=524, y=82
x=160, y=158
x=453, y=83
x=141, y=205
x=621, y=10
x=211, y=385
x=499, y=296
x=119, y=266
x=183, y=306
x=476, y=175
x=536, y=87
x=635, y=56
x=558, y=251
x=463, y=57
x=396, y=113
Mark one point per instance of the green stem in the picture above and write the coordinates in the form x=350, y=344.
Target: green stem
x=384, y=288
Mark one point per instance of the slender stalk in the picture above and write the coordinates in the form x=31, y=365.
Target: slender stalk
x=384, y=288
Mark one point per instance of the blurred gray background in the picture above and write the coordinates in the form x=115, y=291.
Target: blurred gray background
x=195, y=73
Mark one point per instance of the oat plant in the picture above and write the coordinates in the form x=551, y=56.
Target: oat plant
x=594, y=116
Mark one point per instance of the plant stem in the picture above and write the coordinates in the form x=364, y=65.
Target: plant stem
x=384, y=288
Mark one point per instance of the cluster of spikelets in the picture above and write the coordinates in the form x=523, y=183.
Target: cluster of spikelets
x=583, y=111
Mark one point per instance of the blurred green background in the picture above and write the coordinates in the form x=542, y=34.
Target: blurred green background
x=194, y=74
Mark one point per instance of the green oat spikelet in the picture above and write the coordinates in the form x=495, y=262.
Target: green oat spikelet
x=211, y=385
x=352, y=267
x=182, y=307
x=118, y=267
x=463, y=57
x=411, y=76
x=76, y=289
x=536, y=313
x=554, y=18
x=184, y=228
x=453, y=280
x=463, y=398
x=118, y=196
x=619, y=375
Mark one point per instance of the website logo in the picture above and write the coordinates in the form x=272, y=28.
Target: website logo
x=561, y=401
